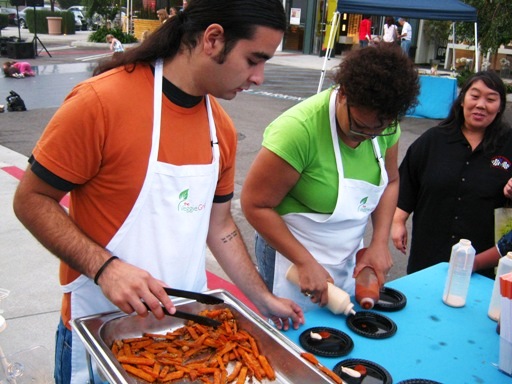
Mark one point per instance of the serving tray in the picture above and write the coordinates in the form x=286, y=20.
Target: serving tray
x=97, y=333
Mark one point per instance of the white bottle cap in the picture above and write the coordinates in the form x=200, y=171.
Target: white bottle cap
x=349, y=309
x=367, y=303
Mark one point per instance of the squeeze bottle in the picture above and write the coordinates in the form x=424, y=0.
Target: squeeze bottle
x=338, y=300
x=504, y=266
x=367, y=285
x=459, y=274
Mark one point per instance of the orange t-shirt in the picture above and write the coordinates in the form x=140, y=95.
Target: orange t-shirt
x=100, y=139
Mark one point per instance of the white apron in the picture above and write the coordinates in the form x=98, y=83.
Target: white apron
x=165, y=232
x=333, y=239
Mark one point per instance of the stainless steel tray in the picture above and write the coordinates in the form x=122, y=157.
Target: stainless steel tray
x=98, y=332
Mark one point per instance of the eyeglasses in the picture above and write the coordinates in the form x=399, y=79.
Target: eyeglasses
x=384, y=130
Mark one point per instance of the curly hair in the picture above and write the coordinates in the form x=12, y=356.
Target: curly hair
x=498, y=128
x=239, y=18
x=381, y=78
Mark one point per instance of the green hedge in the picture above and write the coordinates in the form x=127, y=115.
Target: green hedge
x=68, y=21
x=4, y=21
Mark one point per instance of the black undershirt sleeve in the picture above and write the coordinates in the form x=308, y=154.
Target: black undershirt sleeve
x=49, y=177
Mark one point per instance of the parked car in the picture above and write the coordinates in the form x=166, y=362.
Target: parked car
x=11, y=14
x=88, y=23
x=80, y=21
x=22, y=18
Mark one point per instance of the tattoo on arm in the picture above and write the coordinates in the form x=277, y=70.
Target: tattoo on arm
x=230, y=237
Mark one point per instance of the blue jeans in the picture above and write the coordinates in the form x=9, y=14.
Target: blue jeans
x=265, y=258
x=406, y=45
x=62, y=372
x=363, y=43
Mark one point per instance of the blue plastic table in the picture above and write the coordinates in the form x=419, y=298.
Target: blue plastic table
x=433, y=341
x=437, y=94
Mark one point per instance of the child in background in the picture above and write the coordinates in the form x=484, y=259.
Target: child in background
x=115, y=45
x=18, y=69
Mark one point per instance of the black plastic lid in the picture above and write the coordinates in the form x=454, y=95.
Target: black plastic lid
x=337, y=344
x=372, y=325
x=375, y=374
x=419, y=381
x=390, y=300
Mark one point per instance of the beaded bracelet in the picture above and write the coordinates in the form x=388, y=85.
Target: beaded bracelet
x=102, y=268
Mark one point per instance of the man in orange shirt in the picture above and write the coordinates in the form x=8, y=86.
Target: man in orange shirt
x=365, y=31
x=151, y=186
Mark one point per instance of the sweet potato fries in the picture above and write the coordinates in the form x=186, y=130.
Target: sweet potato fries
x=195, y=352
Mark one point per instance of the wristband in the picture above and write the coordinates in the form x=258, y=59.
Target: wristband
x=102, y=268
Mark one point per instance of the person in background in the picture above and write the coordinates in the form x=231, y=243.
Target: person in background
x=365, y=31
x=17, y=69
x=490, y=258
x=185, y=3
x=452, y=177
x=115, y=45
x=327, y=165
x=162, y=15
x=145, y=203
x=390, y=30
x=406, y=35
x=174, y=11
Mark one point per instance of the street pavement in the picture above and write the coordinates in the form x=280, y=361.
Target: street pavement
x=28, y=270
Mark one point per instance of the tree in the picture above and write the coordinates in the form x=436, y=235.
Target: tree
x=494, y=26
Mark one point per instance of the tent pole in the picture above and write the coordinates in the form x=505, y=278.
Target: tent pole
x=477, y=51
x=453, y=45
x=334, y=28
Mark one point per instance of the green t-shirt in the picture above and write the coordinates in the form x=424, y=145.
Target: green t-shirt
x=302, y=137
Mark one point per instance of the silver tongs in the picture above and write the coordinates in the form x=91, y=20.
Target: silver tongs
x=199, y=297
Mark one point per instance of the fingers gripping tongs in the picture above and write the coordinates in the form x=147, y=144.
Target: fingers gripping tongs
x=199, y=297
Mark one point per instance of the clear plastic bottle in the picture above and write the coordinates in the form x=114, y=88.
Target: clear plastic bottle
x=504, y=266
x=459, y=274
x=367, y=285
x=338, y=300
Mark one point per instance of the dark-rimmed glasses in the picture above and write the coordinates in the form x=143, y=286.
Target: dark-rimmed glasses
x=386, y=130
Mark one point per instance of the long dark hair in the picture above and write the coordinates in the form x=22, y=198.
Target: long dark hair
x=498, y=128
x=239, y=18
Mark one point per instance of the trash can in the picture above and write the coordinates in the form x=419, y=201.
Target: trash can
x=54, y=25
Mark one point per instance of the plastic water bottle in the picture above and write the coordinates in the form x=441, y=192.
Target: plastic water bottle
x=367, y=285
x=504, y=266
x=459, y=274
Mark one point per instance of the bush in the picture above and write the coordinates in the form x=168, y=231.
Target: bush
x=4, y=21
x=100, y=36
x=68, y=21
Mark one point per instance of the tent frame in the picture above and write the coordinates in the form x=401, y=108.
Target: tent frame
x=334, y=28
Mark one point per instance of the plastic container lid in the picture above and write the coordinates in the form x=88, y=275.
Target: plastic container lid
x=336, y=344
x=374, y=372
x=372, y=325
x=391, y=300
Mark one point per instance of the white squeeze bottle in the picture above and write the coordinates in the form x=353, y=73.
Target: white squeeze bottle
x=338, y=300
x=504, y=266
x=459, y=274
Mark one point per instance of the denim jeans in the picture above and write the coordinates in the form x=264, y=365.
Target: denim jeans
x=62, y=372
x=406, y=45
x=265, y=258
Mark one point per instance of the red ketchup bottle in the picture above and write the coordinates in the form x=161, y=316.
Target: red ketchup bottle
x=367, y=285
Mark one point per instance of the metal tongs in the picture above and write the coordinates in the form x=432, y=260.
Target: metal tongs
x=199, y=297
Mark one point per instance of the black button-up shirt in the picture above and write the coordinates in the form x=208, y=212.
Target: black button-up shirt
x=452, y=192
